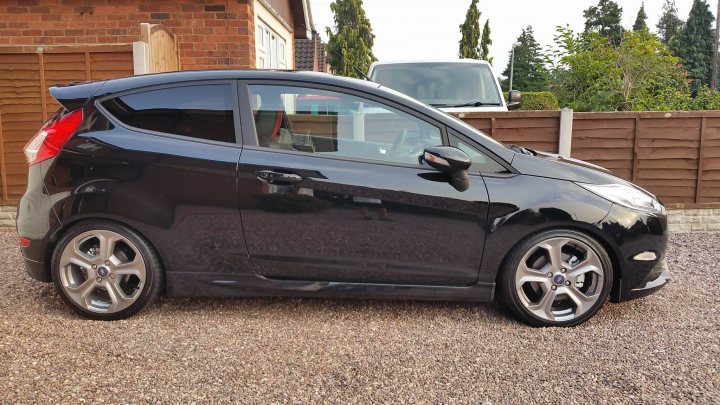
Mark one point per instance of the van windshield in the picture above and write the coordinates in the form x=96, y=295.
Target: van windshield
x=441, y=84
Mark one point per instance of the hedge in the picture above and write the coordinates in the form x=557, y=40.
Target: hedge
x=540, y=100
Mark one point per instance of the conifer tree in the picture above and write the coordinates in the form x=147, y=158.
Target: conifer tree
x=695, y=44
x=350, y=45
x=470, y=30
x=530, y=73
x=641, y=20
x=605, y=18
x=485, y=43
x=670, y=25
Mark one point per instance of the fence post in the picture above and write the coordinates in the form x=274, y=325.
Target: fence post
x=140, y=58
x=698, y=179
x=3, y=169
x=565, y=138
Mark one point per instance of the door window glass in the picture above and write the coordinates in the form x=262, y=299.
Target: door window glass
x=338, y=124
x=202, y=111
x=480, y=161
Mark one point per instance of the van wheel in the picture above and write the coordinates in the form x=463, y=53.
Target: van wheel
x=105, y=271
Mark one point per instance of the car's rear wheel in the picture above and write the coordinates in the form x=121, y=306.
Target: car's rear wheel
x=556, y=278
x=105, y=271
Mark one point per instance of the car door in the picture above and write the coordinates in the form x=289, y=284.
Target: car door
x=331, y=189
x=170, y=159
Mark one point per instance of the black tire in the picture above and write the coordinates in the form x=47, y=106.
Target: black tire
x=508, y=290
x=153, y=269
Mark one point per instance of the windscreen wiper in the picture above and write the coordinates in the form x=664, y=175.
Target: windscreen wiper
x=470, y=104
x=520, y=149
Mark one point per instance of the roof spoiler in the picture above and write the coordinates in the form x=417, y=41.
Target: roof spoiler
x=74, y=95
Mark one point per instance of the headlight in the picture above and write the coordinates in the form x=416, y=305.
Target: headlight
x=631, y=197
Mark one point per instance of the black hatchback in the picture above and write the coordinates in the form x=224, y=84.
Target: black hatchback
x=252, y=183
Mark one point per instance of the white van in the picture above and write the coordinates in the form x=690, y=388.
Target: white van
x=460, y=85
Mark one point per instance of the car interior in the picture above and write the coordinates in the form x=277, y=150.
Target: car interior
x=349, y=127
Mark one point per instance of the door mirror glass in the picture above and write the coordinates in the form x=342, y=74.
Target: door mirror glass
x=452, y=161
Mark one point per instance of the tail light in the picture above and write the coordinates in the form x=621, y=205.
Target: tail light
x=52, y=137
x=24, y=242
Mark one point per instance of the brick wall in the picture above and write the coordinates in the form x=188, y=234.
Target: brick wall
x=7, y=216
x=211, y=34
x=694, y=220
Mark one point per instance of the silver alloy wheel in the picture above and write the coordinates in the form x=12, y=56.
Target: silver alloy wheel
x=559, y=279
x=102, y=271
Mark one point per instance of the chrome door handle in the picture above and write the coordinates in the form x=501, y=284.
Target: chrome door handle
x=273, y=177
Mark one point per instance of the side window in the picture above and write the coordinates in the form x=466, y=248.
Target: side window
x=480, y=161
x=338, y=124
x=200, y=111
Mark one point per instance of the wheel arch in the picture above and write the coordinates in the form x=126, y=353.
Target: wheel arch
x=590, y=231
x=58, y=233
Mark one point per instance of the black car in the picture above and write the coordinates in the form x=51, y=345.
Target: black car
x=253, y=183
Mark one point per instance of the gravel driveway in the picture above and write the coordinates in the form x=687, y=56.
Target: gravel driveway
x=665, y=348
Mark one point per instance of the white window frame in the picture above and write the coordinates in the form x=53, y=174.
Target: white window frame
x=270, y=48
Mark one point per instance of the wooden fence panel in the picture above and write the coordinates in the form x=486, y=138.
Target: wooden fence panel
x=675, y=155
x=709, y=163
x=25, y=102
x=110, y=65
x=61, y=68
x=21, y=109
x=606, y=142
x=666, y=140
x=534, y=129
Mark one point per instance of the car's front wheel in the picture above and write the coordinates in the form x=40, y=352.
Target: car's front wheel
x=556, y=278
x=105, y=271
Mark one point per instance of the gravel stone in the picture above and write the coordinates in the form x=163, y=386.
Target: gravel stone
x=661, y=349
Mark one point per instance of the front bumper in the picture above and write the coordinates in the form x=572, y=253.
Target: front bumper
x=658, y=278
x=638, y=241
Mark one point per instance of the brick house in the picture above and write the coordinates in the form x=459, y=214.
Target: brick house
x=44, y=42
x=210, y=34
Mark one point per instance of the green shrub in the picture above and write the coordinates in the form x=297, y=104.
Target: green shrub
x=538, y=100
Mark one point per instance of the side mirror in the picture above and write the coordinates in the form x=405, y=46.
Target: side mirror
x=514, y=99
x=452, y=161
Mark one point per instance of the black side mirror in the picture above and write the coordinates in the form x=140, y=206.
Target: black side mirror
x=514, y=99
x=452, y=161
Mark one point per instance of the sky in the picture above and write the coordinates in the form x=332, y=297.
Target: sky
x=429, y=29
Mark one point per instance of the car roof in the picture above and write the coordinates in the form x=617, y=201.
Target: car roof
x=133, y=82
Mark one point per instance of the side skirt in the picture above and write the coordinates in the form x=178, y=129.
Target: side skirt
x=182, y=284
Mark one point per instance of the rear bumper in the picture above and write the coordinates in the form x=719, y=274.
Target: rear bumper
x=37, y=270
x=35, y=221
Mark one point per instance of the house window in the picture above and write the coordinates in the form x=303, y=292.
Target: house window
x=269, y=49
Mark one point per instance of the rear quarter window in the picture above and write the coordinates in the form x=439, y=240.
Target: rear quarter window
x=199, y=111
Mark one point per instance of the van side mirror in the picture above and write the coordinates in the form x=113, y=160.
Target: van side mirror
x=514, y=99
x=452, y=161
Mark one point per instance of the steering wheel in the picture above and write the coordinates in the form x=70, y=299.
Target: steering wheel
x=395, y=148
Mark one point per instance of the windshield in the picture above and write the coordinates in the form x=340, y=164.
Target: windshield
x=441, y=84
x=460, y=122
